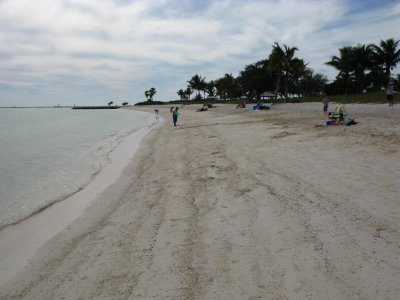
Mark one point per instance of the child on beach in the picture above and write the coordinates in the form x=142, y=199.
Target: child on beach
x=175, y=115
x=325, y=102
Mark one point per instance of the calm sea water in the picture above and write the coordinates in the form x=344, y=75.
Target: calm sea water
x=47, y=154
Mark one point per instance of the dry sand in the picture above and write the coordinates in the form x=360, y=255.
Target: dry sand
x=238, y=205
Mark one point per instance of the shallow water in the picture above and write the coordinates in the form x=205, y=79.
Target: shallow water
x=47, y=154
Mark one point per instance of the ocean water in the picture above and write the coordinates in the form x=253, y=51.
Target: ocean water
x=47, y=154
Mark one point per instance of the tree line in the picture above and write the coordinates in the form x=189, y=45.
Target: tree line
x=360, y=68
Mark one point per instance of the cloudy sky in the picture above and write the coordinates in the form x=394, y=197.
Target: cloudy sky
x=94, y=51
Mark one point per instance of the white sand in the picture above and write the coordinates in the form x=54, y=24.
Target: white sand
x=238, y=205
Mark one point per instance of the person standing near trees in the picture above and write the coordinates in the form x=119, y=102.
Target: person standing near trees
x=390, y=93
x=325, y=102
x=175, y=115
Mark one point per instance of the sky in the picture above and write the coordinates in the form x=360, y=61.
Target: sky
x=90, y=52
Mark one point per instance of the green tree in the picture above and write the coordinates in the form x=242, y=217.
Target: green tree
x=387, y=55
x=147, y=95
x=376, y=78
x=281, y=61
x=312, y=84
x=291, y=64
x=227, y=87
x=181, y=93
x=255, y=79
x=343, y=64
x=152, y=92
x=296, y=70
x=277, y=60
x=210, y=88
x=188, y=92
x=197, y=83
x=361, y=63
x=203, y=86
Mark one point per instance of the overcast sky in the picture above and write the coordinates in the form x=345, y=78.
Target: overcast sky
x=94, y=51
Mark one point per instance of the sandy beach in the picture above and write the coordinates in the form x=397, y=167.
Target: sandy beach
x=237, y=205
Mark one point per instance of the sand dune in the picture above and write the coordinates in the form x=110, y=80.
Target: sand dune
x=239, y=205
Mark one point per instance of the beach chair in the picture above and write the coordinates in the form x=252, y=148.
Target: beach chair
x=338, y=116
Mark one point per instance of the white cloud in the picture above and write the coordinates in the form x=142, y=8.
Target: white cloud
x=127, y=47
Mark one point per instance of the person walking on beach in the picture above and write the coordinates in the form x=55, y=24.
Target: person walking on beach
x=175, y=115
x=325, y=102
x=390, y=93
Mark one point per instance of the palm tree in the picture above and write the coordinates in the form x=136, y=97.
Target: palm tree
x=188, y=92
x=343, y=64
x=387, y=55
x=203, y=86
x=197, y=83
x=296, y=68
x=376, y=78
x=290, y=62
x=281, y=61
x=152, y=92
x=210, y=88
x=362, y=61
x=276, y=59
x=147, y=94
x=181, y=94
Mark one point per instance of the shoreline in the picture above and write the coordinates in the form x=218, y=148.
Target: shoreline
x=24, y=237
x=238, y=205
x=23, y=199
